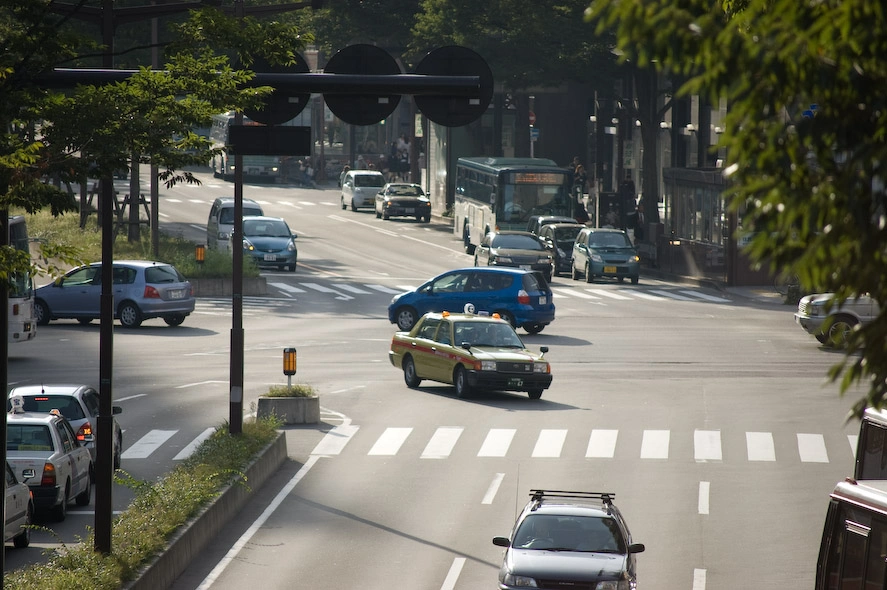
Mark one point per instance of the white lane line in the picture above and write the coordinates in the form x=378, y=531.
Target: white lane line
x=147, y=444
x=323, y=289
x=654, y=445
x=286, y=288
x=672, y=295
x=453, y=574
x=493, y=489
x=384, y=289
x=168, y=200
x=760, y=446
x=127, y=398
x=811, y=448
x=602, y=443
x=187, y=385
x=335, y=440
x=705, y=296
x=390, y=442
x=405, y=288
x=579, y=294
x=198, y=227
x=192, y=446
x=309, y=203
x=497, y=442
x=644, y=295
x=610, y=294
x=550, y=443
x=253, y=529
x=707, y=444
x=698, y=579
x=853, y=438
x=351, y=288
x=704, y=495
x=441, y=444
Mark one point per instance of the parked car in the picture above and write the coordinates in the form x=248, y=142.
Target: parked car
x=831, y=324
x=142, y=290
x=517, y=249
x=220, y=224
x=605, y=252
x=46, y=445
x=567, y=539
x=79, y=404
x=19, y=510
x=270, y=242
x=471, y=352
x=521, y=297
x=537, y=222
x=559, y=238
x=359, y=188
x=401, y=199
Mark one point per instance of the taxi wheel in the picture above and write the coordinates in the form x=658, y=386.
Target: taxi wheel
x=344, y=206
x=535, y=393
x=85, y=496
x=23, y=539
x=409, y=373
x=460, y=382
x=634, y=280
x=60, y=512
x=406, y=318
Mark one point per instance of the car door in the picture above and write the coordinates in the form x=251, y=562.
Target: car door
x=425, y=350
x=77, y=457
x=482, y=252
x=77, y=294
x=447, y=293
x=16, y=507
x=580, y=251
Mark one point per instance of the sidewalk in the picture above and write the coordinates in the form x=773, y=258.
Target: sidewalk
x=760, y=293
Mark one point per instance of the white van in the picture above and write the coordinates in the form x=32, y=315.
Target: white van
x=220, y=225
x=359, y=188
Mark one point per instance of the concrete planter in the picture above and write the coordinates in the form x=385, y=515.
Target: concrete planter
x=292, y=410
x=255, y=286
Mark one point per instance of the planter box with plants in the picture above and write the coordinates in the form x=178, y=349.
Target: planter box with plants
x=295, y=404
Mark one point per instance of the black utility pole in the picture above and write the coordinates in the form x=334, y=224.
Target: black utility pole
x=4, y=364
x=235, y=379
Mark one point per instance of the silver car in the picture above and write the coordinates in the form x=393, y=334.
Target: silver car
x=142, y=290
x=832, y=324
x=19, y=510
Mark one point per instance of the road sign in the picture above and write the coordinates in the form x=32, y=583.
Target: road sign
x=532, y=118
x=282, y=105
x=366, y=60
x=454, y=111
x=534, y=133
x=261, y=140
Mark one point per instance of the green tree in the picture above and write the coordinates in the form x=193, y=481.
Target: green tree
x=809, y=186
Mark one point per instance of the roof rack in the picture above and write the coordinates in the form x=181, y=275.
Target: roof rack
x=540, y=495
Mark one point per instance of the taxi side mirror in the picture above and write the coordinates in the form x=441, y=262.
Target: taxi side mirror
x=466, y=345
x=544, y=349
x=27, y=474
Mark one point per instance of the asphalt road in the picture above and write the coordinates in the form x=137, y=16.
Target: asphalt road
x=705, y=412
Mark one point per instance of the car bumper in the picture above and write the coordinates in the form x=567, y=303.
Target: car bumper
x=273, y=258
x=406, y=211
x=812, y=325
x=505, y=382
x=545, y=269
x=534, y=316
x=45, y=497
x=161, y=308
x=605, y=269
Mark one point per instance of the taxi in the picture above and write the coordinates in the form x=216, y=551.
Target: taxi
x=470, y=351
x=43, y=449
x=18, y=510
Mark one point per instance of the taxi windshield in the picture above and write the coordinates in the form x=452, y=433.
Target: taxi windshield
x=28, y=437
x=489, y=334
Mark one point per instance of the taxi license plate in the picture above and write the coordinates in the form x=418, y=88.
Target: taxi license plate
x=514, y=382
x=176, y=294
x=270, y=257
x=610, y=269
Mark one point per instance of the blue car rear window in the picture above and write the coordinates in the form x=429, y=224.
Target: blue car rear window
x=162, y=274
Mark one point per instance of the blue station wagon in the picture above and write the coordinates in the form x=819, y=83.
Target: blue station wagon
x=521, y=297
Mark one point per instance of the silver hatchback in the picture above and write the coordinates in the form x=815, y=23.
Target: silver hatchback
x=142, y=290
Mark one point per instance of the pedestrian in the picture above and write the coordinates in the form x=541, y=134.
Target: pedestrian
x=580, y=180
x=611, y=219
x=640, y=224
x=361, y=163
x=345, y=170
x=581, y=213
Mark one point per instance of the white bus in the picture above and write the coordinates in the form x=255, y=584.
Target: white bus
x=503, y=193
x=265, y=168
x=22, y=326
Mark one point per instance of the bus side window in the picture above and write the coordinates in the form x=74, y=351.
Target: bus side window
x=872, y=452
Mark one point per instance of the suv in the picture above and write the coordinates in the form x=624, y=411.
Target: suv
x=521, y=297
x=605, y=252
x=560, y=237
x=830, y=323
x=537, y=222
x=220, y=224
x=569, y=540
x=359, y=188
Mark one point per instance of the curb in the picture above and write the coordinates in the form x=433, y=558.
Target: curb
x=193, y=537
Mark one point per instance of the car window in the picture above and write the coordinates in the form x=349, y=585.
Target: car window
x=609, y=240
x=249, y=212
x=451, y=283
x=10, y=477
x=429, y=327
x=566, y=235
x=443, y=334
x=227, y=216
x=162, y=273
x=65, y=404
x=270, y=228
x=69, y=441
x=376, y=180
x=91, y=399
x=124, y=275
x=492, y=335
x=405, y=191
x=534, y=282
x=82, y=276
x=517, y=242
x=28, y=437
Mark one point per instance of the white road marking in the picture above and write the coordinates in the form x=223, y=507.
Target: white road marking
x=760, y=446
x=493, y=489
x=610, y=294
x=384, y=289
x=286, y=287
x=707, y=444
x=705, y=296
x=698, y=579
x=192, y=446
x=602, y=443
x=148, y=444
x=497, y=442
x=550, y=443
x=579, y=294
x=335, y=440
x=654, y=445
x=644, y=295
x=704, y=494
x=351, y=288
x=672, y=295
x=390, y=442
x=187, y=385
x=811, y=448
x=453, y=574
x=441, y=444
x=127, y=398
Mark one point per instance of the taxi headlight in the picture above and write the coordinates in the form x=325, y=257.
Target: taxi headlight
x=488, y=365
x=541, y=367
x=519, y=581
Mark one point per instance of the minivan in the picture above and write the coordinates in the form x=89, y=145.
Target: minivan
x=220, y=225
x=359, y=188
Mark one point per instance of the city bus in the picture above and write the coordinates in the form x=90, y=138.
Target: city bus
x=503, y=193
x=264, y=168
x=871, y=447
x=20, y=306
x=853, y=551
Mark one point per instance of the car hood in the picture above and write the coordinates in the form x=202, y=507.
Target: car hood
x=487, y=353
x=268, y=243
x=407, y=199
x=574, y=566
x=518, y=252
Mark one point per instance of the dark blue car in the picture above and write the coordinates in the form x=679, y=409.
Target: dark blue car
x=521, y=297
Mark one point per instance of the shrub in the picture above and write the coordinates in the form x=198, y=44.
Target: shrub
x=297, y=390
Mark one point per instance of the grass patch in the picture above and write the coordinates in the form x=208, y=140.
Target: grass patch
x=158, y=510
x=173, y=249
x=297, y=390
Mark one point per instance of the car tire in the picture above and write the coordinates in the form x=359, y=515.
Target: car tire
x=427, y=218
x=378, y=214
x=60, y=511
x=353, y=206
x=292, y=267
x=460, y=382
x=535, y=393
x=174, y=319
x=839, y=331
x=533, y=328
x=466, y=240
x=344, y=206
x=41, y=313
x=475, y=260
x=573, y=274
x=130, y=315
x=23, y=539
x=84, y=321
x=507, y=317
x=634, y=280
x=406, y=318
x=385, y=216
x=84, y=497
x=589, y=278
x=621, y=279
x=118, y=451
x=409, y=373
x=823, y=338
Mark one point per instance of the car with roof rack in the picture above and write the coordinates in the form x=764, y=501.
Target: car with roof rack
x=569, y=539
